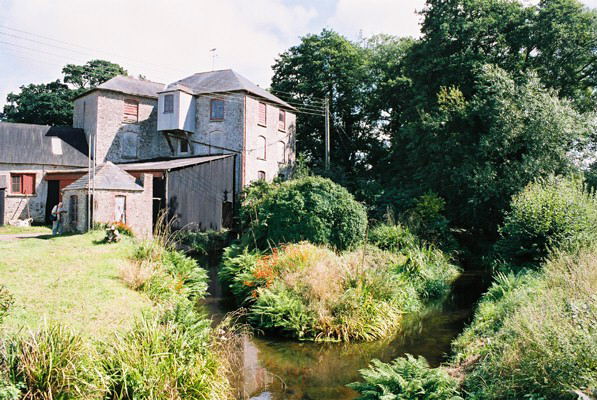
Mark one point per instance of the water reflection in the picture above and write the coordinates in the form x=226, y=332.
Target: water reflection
x=276, y=369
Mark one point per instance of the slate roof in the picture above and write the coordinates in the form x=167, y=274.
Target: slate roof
x=225, y=80
x=107, y=177
x=130, y=85
x=32, y=144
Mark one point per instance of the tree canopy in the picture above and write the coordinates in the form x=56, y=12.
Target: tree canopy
x=52, y=103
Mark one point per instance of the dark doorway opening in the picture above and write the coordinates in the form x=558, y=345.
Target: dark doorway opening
x=159, y=197
x=2, y=206
x=52, y=199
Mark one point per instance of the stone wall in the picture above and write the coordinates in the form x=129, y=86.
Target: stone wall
x=138, y=208
x=228, y=136
x=274, y=161
x=118, y=141
x=20, y=206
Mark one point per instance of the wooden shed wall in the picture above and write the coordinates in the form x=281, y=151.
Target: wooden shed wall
x=196, y=194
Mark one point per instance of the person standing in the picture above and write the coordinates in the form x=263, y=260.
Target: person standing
x=57, y=219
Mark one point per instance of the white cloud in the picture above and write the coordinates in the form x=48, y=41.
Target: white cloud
x=397, y=17
x=165, y=41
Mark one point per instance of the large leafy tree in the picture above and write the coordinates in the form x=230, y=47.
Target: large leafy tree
x=51, y=103
x=478, y=152
x=556, y=38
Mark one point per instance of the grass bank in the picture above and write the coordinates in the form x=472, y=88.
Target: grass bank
x=164, y=349
x=71, y=281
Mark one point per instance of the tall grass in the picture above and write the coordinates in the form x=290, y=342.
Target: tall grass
x=52, y=363
x=310, y=292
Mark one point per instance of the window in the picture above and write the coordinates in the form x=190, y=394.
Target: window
x=261, y=147
x=282, y=150
x=282, y=120
x=131, y=111
x=261, y=175
x=56, y=145
x=216, y=110
x=262, y=114
x=168, y=104
x=73, y=207
x=22, y=183
x=129, y=145
x=120, y=209
x=183, y=147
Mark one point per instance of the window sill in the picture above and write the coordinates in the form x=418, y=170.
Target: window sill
x=216, y=119
x=20, y=195
x=261, y=159
x=282, y=130
x=264, y=125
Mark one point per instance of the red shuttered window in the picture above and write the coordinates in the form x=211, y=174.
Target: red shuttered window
x=131, y=111
x=22, y=183
x=262, y=114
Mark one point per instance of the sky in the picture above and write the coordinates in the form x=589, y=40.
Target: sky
x=169, y=40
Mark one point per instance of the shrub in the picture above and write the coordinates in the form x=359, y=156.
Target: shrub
x=392, y=237
x=204, y=243
x=52, y=363
x=407, y=378
x=310, y=208
x=535, y=335
x=550, y=213
x=6, y=301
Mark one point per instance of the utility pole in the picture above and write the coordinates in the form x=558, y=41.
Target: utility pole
x=327, y=133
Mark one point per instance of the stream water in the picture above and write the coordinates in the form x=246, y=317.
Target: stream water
x=275, y=369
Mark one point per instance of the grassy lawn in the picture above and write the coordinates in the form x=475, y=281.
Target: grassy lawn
x=71, y=280
x=15, y=230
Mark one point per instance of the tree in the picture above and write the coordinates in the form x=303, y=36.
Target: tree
x=92, y=74
x=45, y=104
x=51, y=103
x=556, y=38
x=478, y=153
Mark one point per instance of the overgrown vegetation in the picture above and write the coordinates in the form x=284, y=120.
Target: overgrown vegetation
x=310, y=292
x=550, y=213
x=169, y=352
x=534, y=334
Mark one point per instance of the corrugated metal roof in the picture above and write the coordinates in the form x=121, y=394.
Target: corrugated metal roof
x=107, y=177
x=167, y=165
x=130, y=85
x=225, y=80
x=32, y=144
x=155, y=165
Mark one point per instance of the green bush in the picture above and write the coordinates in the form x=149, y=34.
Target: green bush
x=52, y=363
x=237, y=267
x=310, y=208
x=204, y=243
x=406, y=378
x=428, y=269
x=6, y=301
x=535, y=335
x=392, y=237
x=550, y=213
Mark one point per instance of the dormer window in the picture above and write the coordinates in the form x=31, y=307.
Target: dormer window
x=262, y=114
x=56, y=145
x=131, y=111
x=216, y=110
x=168, y=104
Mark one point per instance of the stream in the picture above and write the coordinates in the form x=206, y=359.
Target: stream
x=277, y=369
